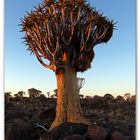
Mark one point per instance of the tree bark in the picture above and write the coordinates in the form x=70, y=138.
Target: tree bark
x=68, y=103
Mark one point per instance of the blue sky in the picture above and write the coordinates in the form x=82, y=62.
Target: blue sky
x=113, y=69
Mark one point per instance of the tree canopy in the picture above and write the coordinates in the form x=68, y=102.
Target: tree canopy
x=64, y=32
x=32, y=92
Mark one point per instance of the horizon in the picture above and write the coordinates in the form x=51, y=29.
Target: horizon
x=84, y=95
x=52, y=92
x=112, y=70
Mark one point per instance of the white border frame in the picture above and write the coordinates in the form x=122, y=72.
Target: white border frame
x=137, y=69
x=1, y=69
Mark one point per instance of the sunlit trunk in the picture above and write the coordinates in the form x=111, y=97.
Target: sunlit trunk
x=68, y=104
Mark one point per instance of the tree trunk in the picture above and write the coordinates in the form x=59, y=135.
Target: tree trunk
x=68, y=104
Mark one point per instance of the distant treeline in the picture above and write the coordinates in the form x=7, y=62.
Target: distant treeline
x=34, y=93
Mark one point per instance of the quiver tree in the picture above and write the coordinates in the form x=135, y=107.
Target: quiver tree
x=127, y=96
x=7, y=96
x=21, y=93
x=62, y=35
x=33, y=93
x=55, y=91
x=48, y=94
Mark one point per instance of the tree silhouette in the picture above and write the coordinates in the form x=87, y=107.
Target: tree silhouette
x=62, y=35
x=16, y=95
x=42, y=95
x=7, y=96
x=81, y=96
x=21, y=93
x=55, y=91
x=33, y=93
x=133, y=99
x=108, y=97
x=119, y=99
x=53, y=96
x=48, y=94
x=127, y=96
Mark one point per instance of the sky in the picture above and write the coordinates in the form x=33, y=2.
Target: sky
x=113, y=68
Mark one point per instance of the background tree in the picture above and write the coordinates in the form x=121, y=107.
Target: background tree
x=48, y=94
x=108, y=97
x=97, y=98
x=16, y=99
x=21, y=93
x=88, y=97
x=16, y=95
x=127, y=96
x=62, y=34
x=133, y=99
x=55, y=91
x=33, y=93
x=42, y=95
x=81, y=96
x=119, y=99
x=7, y=96
x=53, y=96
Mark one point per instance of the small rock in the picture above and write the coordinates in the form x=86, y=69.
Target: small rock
x=96, y=133
x=118, y=136
x=66, y=129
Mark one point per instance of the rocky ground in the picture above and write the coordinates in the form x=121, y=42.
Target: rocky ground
x=113, y=115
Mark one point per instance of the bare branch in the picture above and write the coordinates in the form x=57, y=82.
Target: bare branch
x=41, y=126
x=99, y=36
x=89, y=31
x=39, y=58
x=65, y=29
x=46, y=46
x=49, y=32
